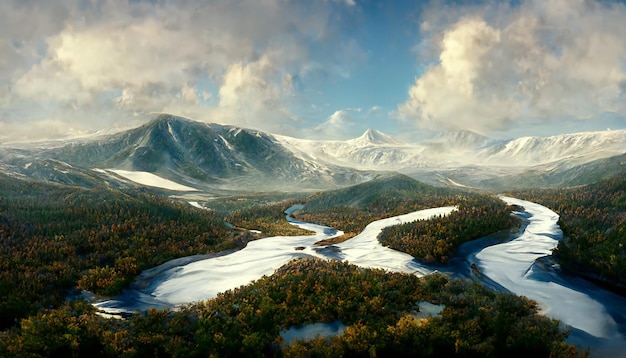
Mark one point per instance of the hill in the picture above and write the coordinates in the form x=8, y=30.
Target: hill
x=380, y=194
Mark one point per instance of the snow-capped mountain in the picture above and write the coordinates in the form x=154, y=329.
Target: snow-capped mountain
x=192, y=154
x=373, y=150
x=460, y=148
x=198, y=155
x=463, y=158
x=374, y=137
x=577, y=148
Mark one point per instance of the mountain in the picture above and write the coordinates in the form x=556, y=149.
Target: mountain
x=373, y=150
x=464, y=158
x=199, y=155
x=188, y=155
x=374, y=137
x=575, y=148
x=561, y=176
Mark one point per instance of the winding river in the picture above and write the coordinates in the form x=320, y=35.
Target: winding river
x=596, y=317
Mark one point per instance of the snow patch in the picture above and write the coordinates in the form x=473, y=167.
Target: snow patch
x=149, y=179
x=169, y=129
x=228, y=145
x=195, y=204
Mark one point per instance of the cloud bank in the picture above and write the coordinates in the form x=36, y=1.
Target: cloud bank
x=87, y=64
x=499, y=64
x=70, y=67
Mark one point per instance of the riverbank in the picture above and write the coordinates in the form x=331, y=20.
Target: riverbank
x=595, y=315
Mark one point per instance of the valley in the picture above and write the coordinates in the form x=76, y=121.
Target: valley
x=592, y=314
x=180, y=226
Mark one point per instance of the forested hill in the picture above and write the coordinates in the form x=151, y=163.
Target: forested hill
x=351, y=209
x=593, y=219
x=390, y=194
x=55, y=237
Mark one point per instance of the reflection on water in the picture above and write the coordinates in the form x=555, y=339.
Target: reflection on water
x=313, y=330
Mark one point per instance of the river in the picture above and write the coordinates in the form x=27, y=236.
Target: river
x=595, y=316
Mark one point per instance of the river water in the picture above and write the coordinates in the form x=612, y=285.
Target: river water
x=596, y=317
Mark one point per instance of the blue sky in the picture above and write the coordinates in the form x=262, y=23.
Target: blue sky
x=313, y=69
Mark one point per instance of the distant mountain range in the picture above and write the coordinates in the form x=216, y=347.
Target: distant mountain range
x=220, y=158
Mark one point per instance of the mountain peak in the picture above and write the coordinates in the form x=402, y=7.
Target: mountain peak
x=373, y=136
x=169, y=118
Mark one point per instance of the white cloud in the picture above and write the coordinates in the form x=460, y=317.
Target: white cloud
x=95, y=63
x=546, y=60
x=339, y=125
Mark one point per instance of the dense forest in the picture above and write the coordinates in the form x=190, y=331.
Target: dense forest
x=436, y=240
x=593, y=220
x=351, y=209
x=269, y=219
x=378, y=309
x=54, y=237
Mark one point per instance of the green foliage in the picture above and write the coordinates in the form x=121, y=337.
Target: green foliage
x=269, y=219
x=53, y=237
x=376, y=307
x=70, y=331
x=593, y=220
x=351, y=209
x=437, y=239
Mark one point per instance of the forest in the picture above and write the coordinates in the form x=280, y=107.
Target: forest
x=57, y=239
x=437, y=240
x=54, y=238
x=593, y=220
x=377, y=307
x=351, y=209
x=268, y=218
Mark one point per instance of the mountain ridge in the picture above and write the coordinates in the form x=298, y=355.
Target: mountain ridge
x=204, y=155
x=211, y=156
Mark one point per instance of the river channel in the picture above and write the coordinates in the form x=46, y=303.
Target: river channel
x=595, y=317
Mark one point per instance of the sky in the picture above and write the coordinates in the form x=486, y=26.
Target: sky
x=320, y=69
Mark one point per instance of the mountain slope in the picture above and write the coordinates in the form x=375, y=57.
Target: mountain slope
x=576, y=148
x=221, y=157
x=204, y=156
x=561, y=176
x=385, y=189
